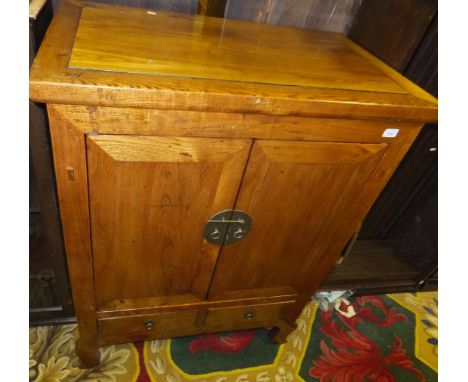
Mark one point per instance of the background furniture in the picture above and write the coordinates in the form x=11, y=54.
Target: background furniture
x=400, y=230
x=49, y=293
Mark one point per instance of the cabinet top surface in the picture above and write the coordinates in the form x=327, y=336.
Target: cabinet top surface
x=177, y=45
x=116, y=54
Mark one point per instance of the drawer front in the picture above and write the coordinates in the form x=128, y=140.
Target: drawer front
x=243, y=317
x=161, y=325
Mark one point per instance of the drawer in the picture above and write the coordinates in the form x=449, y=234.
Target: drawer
x=243, y=317
x=161, y=325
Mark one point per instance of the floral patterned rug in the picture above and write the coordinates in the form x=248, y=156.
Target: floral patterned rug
x=391, y=338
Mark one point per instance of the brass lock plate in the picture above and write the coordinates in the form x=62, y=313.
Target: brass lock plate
x=227, y=227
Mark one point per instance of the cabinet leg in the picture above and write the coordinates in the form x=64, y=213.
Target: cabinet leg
x=280, y=332
x=87, y=351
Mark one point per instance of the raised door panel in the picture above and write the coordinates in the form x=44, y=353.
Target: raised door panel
x=296, y=193
x=149, y=200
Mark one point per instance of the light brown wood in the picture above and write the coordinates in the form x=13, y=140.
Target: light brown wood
x=52, y=81
x=138, y=328
x=175, y=45
x=153, y=305
x=150, y=198
x=127, y=121
x=190, y=322
x=295, y=192
x=349, y=223
x=173, y=118
x=403, y=82
x=247, y=316
x=69, y=152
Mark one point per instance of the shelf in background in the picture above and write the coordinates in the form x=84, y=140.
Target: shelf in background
x=370, y=265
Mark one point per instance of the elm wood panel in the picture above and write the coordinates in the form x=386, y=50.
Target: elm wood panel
x=405, y=83
x=152, y=305
x=130, y=40
x=52, y=81
x=69, y=154
x=184, y=323
x=127, y=121
x=264, y=315
x=170, y=324
x=296, y=193
x=392, y=29
x=150, y=198
x=347, y=226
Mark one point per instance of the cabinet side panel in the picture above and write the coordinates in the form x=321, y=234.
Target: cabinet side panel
x=356, y=214
x=69, y=154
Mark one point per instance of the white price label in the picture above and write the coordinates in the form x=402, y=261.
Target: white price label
x=390, y=133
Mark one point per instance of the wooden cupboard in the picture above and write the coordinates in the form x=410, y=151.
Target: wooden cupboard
x=210, y=172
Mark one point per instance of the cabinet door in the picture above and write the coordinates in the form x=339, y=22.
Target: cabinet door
x=296, y=193
x=150, y=198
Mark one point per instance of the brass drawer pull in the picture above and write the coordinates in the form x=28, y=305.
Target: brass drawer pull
x=149, y=324
x=249, y=315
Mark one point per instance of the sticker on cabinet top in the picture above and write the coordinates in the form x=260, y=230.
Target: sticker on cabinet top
x=390, y=133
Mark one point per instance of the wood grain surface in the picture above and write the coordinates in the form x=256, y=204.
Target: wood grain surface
x=164, y=44
x=295, y=193
x=69, y=152
x=298, y=72
x=188, y=322
x=335, y=240
x=160, y=120
x=150, y=198
x=128, y=121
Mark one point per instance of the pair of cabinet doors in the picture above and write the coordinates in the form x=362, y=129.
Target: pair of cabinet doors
x=150, y=198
